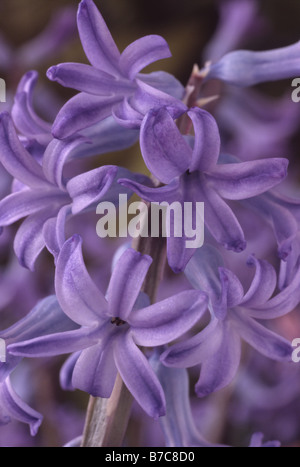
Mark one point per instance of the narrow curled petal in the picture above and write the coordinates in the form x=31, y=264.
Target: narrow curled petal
x=142, y=53
x=169, y=319
x=246, y=68
x=95, y=370
x=262, y=285
x=54, y=344
x=207, y=144
x=81, y=112
x=89, y=187
x=54, y=231
x=163, y=81
x=221, y=366
x=195, y=350
x=221, y=221
x=26, y=202
x=178, y=425
x=86, y=78
x=165, y=151
x=284, y=302
x=29, y=240
x=202, y=271
x=248, y=179
x=17, y=161
x=262, y=339
x=168, y=193
x=138, y=376
x=232, y=293
x=56, y=155
x=13, y=407
x=23, y=113
x=96, y=39
x=126, y=282
x=77, y=294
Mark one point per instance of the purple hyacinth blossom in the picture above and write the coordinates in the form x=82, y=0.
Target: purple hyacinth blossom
x=43, y=196
x=237, y=19
x=112, y=83
x=35, y=133
x=234, y=317
x=13, y=407
x=196, y=175
x=246, y=68
x=113, y=328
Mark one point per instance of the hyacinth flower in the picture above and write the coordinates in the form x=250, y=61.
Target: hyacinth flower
x=113, y=327
x=245, y=68
x=35, y=133
x=178, y=424
x=43, y=196
x=194, y=174
x=254, y=126
x=234, y=317
x=112, y=84
x=238, y=18
x=12, y=407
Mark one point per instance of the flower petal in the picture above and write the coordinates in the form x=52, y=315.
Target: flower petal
x=55, y=157
x=246, y=68
x=247, y=179
x=263, y=284
x=23, y=113
x=96, y=39
x=220, y=220
x=23, y=203
x=82, y=111
x=95, y=370
x=163, y=81
x=165, y=321
x=126, y=282
x=142, y=53
x=167, y=193
x=207, y=144
x=284, y=302
x=12, y=406
x=55, y=344
x=29, y=240
x=139, y=377
x=86, y=78
x=219, y=369
x=165, y=151
x=262, y=339
x=54, y=231
x=17, y=161
x=77, y=294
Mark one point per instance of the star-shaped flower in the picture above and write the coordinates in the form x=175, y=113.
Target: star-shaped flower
x=113, y=328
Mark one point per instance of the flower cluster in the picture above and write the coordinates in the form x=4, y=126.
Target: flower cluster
x=215, y=304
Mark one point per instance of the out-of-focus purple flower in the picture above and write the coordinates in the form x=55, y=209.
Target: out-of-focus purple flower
x=254, y=126
x=13, y=407
x=237, y=19
x=196, y=175
x=44, y=196
x=112, y=83
x=234, y=316
x=60, y=30
x=112, y=328
x=246, y=68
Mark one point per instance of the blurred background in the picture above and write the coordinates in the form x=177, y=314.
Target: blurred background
x=188, y=26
